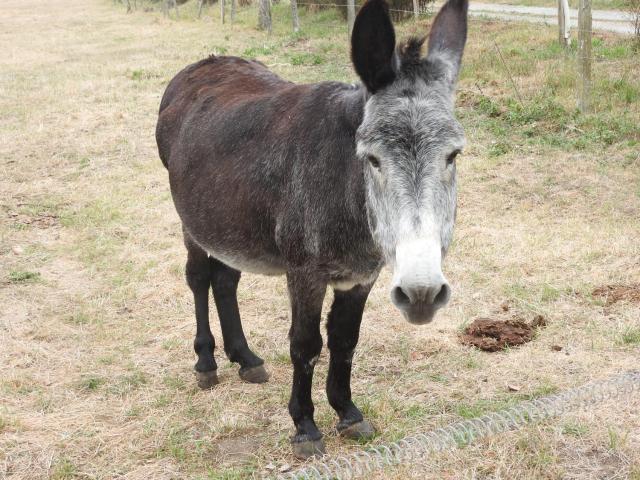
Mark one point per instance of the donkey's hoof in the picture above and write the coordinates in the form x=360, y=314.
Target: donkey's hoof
x=362, y=430
x=305, y=448
x=254, y=374
x=207, y=380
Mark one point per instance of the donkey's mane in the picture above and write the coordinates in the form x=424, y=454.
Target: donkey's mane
x=410, y=51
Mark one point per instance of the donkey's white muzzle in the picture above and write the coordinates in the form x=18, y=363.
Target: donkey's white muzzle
x=419, y=288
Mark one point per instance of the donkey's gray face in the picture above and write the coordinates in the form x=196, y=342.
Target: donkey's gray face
x=408, y=140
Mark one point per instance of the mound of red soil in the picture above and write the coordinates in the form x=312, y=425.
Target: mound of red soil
x=616, y=293
x=492, y=335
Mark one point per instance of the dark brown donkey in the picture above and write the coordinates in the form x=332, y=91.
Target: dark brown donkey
x=325, y=183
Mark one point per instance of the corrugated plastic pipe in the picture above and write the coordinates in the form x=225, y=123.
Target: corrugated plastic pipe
x=461, y=433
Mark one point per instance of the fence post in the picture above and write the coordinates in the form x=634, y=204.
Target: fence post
x=584, y=55
x=294, y=15
x=416, y=9
x=264, y=15
x=351, y=14
x=564, y=22
x=222, y=11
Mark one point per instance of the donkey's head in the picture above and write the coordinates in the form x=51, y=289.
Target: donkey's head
x=409, y=139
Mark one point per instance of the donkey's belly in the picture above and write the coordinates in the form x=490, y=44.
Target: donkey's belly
x=245, y=264
x=254, y=262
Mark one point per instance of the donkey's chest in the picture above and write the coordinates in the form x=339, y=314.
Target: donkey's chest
x=346, y=280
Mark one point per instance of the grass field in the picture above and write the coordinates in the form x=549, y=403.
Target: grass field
x=96, y=322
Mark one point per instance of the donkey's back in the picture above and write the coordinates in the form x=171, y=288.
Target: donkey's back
x=210, y=85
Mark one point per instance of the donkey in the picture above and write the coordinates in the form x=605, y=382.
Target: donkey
x=325, y=183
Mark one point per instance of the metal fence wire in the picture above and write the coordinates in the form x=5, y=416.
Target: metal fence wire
x=462, y=433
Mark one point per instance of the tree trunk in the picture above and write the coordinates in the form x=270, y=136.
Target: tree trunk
x=416, y=9
x=294, y=15
x=234, y=6
x=222, y=11
x=264, y=15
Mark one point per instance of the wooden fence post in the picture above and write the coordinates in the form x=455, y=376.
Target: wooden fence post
x=264, y=15
x=351, y=14
x=564, y=22
x=222, y=11
x=294, y=15
x=416, y=9
x=584, y=55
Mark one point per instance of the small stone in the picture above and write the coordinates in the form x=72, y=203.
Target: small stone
x=556, y=348
x=270, y=466
x=514, y=388
x=17, y=249
x=284, y=468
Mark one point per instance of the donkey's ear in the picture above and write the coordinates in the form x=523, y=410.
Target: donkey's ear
x=373, y=44
x=449, y=34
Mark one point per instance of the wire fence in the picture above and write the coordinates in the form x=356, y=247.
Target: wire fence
x=410, y=449
x=280, y=19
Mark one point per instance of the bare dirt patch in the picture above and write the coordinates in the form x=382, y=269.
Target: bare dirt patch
x=616, y=293
x=39, y=220
x=238, y=450
x=492, y=335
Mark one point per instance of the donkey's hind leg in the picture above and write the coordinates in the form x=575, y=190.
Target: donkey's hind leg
x=198, y=273
x=224, y=283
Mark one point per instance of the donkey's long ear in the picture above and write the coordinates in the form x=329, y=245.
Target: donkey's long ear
x=373, y=43
x=449, y=34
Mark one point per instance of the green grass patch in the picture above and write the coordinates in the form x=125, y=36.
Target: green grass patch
x=64, y=469
x=24, y=276
x=142, y=74
x=630, y=336
x=253, y=52
x=305, y=58
x=575, y=429
x=128, y=383
x=90, y=383
x=233, y=473
x=482, y=407
x=83, y=318
x=616, y=440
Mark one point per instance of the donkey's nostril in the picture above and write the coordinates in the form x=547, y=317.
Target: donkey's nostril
x=442, y=297
x=400, y=298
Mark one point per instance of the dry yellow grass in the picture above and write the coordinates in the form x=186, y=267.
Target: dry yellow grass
x=96, y=322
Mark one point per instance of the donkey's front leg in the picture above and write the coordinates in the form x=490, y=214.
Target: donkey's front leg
x=306, y=295
x=343, y=327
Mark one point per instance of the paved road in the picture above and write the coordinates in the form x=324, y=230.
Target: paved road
x=605, y=20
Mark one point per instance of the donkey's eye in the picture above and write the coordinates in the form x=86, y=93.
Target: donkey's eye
x=375, y=163
x=452, y=157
